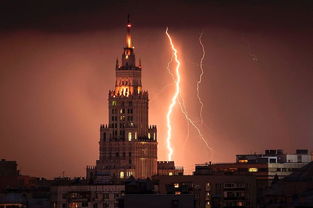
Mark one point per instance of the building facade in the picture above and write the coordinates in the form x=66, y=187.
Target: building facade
x=211, y=191
x=89, y=196
x=8, y=168
x=128, y=144
x=169, y=168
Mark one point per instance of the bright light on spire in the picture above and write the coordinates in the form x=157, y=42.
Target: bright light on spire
x=128, y=35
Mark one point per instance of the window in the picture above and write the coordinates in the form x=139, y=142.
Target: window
x=122, y=174
x=130, y=103
x=106, y=196
x=170, y=173
x=149, y=135
x=253, y=170
x=114, y=103
x=129, y=136
x=176, y=185
x=273, y=160
x=208, y=187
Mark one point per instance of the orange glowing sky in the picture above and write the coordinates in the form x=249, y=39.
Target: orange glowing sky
x=257, y=91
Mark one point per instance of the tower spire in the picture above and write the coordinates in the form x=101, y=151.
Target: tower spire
x=128, y=35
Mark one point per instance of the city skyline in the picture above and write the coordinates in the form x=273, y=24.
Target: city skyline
x=54, y=86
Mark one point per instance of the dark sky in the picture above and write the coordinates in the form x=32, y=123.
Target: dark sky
x=57, y=64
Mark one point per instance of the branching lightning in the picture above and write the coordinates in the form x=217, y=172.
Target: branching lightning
x=173, y=100
x=176, y=77
x=180, y=102
x=195, y=126
x=200, y=77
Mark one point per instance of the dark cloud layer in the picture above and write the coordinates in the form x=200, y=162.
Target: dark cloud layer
x=73, y=16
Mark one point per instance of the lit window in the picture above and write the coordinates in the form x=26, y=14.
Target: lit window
x=170, y=173
x=207, y=188
x=243, y=161
x=129, y=136
x=136, y=135
x=177, y=192
x=73, y=205
x=114, y=103
x=122, y=174
x=253, y=170
x=176, y=185
x=153, y=136
x=149, y=135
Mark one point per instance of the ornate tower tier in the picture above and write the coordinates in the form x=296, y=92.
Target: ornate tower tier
x=128, y=145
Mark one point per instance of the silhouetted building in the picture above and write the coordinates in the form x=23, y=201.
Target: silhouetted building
x=128, y=145
x=267, y=168
x=144, y=193
x=10, y=176
x=158, y=200
x=8, y=168
x=294, y=191
x=28, y=197
x=276, y=156
x=13, y=200
x=87, y=196
x=212, y=191
x=169, y=168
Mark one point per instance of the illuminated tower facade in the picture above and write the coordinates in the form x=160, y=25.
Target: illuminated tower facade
x=128, y=145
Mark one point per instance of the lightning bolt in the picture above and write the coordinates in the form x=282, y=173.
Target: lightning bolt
x=180, y=102
x=200, y=77
x=173, y=100
x=180, y=99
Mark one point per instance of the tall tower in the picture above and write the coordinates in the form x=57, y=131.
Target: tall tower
x=128, y=145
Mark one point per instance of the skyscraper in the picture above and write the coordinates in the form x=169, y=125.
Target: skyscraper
x=128, y=145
